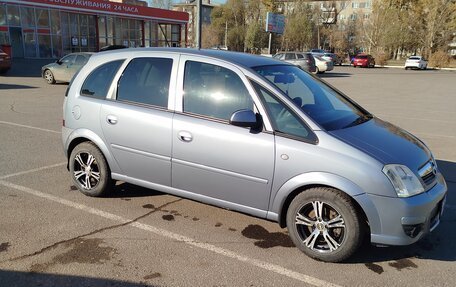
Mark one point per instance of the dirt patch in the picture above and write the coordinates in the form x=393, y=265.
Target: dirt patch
x=265, y=238
x=195, y=219
x=149, y=206
x=86, y=251
x=168, y=217
x=403, y=264
x=4, y=246
x=218, y=224
x=232, y=229
x=375, y=267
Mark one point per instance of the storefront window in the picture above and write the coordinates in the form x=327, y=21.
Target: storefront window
x=44, y=46
x=56, y=46
x=28, y=17
x=74, y=24
x=55, y=22
x=30, y=45
x=147, y=34
x=13, y=15
x=2, y=15
x=42, y=17
x=4, y=38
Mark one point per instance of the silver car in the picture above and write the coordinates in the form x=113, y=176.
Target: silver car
x=304, y=60
x=65, y=68
x=251, y=134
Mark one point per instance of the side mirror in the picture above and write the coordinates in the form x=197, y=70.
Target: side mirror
x=245, y=118
x=58, y=62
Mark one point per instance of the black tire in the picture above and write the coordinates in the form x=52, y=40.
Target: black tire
x=94, y=181
x=347, y=233
x=49, y=77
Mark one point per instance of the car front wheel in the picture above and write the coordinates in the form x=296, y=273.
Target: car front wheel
x=89, y=170
x=324, y=224
x=49, y=77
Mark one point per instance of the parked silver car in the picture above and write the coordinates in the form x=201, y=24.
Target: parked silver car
x=65, y=68
x=251, y=134
x=304, y=60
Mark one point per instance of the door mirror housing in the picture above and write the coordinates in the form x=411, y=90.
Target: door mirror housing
x=245, y=118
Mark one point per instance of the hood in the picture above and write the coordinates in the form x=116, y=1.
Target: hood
x=386, y=142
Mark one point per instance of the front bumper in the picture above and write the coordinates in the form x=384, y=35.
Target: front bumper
x=404, y=221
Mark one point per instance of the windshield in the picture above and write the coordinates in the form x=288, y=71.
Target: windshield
x=325, y=106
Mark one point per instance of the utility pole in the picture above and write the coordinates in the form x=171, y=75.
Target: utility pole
x=199, y=18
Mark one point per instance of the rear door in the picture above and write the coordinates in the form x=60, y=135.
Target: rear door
x=60, y=70
x=211, y=157
x=137, y=122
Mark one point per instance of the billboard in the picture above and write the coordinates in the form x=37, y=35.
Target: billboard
x=275, y=23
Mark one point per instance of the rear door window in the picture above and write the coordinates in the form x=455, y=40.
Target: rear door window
x=80, y=60
x=146, y=81
x=290, y=56
x=98, y=82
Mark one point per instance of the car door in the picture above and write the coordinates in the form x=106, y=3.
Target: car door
x=60, y=70
x=73, y=68
x=137, y=122
x=228, y=165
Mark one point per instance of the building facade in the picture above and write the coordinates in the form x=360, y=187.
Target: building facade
x=190, y=7
x=53, y=28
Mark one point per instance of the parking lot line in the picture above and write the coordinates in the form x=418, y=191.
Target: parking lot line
x=32, y=170
x=176, y=237
x=30, y=127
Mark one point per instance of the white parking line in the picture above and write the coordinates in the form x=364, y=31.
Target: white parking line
x=32, y=170
x=30, y=127
x=177, y=237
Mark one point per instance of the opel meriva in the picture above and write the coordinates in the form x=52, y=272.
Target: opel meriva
x=252, y=134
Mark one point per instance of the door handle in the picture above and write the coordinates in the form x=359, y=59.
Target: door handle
x=111, y=119
x=185, y=136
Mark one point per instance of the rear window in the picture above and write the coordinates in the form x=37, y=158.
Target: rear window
x=414, y=58
x=361, y=57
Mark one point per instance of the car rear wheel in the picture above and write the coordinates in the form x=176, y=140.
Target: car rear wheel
x=49, y=77
x=89, y=170
x=324, y=224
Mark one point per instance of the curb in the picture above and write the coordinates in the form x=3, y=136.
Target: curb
x=402, y=67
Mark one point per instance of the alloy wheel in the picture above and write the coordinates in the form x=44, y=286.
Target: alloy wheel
x=86, y=170
x=320, y=226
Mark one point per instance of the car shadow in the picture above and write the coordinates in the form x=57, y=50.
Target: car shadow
x=20, y=279
x=15, y=87
x=438, y=245
x=123, y=189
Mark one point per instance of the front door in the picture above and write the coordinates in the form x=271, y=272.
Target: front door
x=211, y=157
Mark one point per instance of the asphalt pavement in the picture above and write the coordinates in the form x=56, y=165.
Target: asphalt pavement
x=52, y=235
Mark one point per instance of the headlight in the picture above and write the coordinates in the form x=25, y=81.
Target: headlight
x=403, y=179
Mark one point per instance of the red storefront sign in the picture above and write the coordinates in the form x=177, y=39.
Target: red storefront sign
x=111, y=8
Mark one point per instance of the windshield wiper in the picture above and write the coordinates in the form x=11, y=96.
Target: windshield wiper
x=360, y=120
